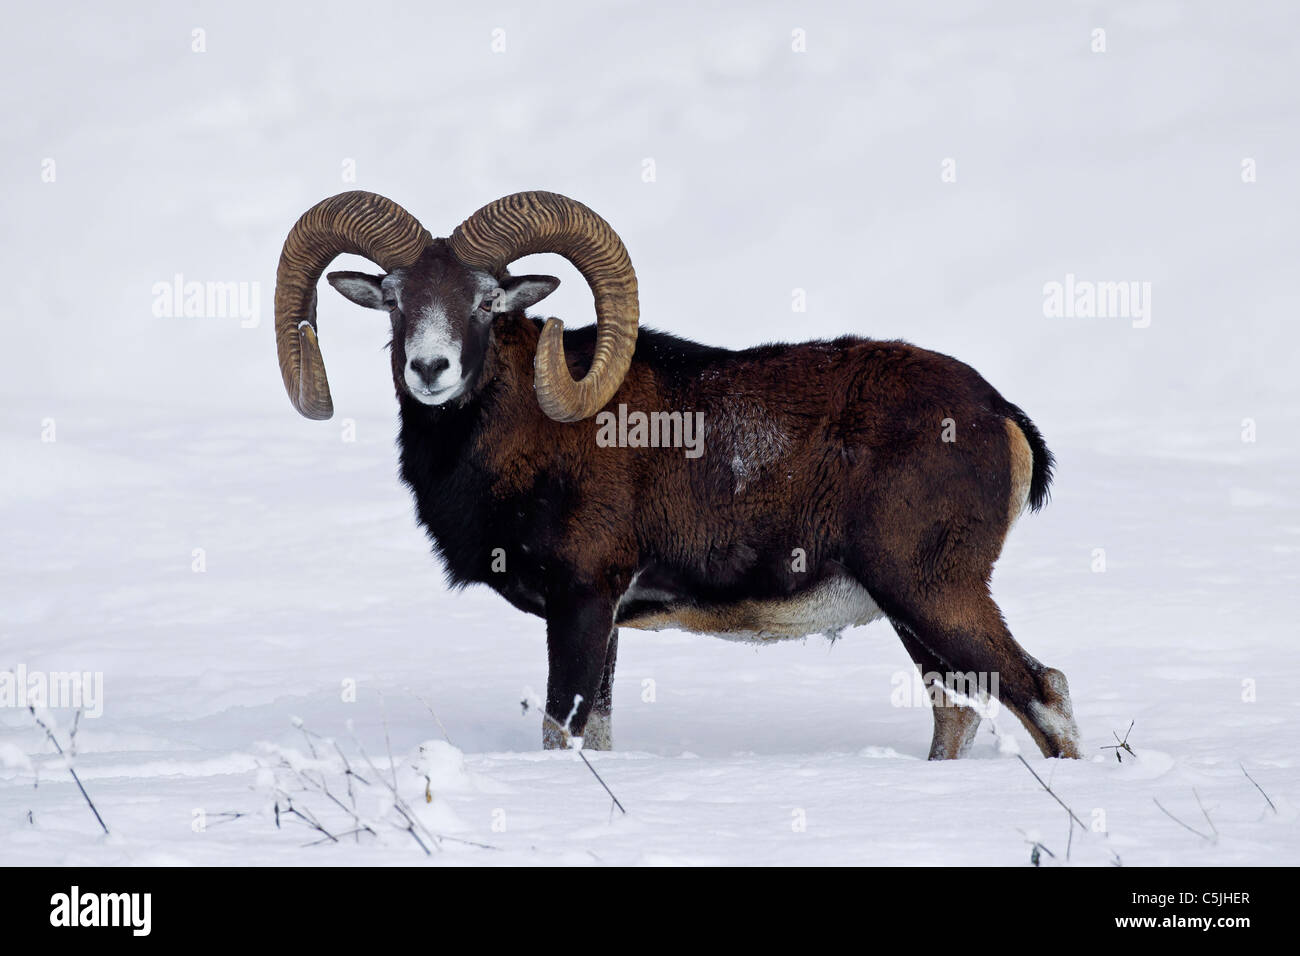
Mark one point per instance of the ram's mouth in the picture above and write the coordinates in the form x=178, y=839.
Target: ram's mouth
x=439, y=396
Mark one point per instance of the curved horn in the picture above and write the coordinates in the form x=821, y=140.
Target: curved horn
x=356, y=222
x=530, y=222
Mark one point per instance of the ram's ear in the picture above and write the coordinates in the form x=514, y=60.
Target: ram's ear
x=523, y=292
x=360, y=288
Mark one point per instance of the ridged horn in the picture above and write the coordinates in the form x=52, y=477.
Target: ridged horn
x=355, y=222
x=531, y=222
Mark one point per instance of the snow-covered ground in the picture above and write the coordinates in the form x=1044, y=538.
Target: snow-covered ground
x=137, y=447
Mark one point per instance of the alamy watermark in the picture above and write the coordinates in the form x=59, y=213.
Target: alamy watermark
x=944, y=689
x=179, y=299
x=1085, y=299
x=651, y=430
x=76, y=690
x=128, y=910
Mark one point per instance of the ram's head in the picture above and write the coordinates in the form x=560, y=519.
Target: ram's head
x=443, y=293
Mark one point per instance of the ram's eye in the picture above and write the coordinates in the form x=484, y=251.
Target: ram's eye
x=390, y=303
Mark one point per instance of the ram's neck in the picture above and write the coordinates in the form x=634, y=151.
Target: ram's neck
x=498, y=431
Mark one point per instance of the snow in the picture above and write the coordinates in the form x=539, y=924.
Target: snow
x=172, y=524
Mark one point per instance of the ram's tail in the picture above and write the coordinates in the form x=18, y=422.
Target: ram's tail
x=1040, y=479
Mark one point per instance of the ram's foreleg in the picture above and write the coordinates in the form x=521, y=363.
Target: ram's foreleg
x=580, y=645
x=599, y=732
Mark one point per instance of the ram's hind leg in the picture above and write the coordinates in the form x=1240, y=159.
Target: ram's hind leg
x=964, y=628
x=954, y=724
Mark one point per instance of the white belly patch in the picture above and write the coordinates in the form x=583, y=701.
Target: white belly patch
x=828, y=607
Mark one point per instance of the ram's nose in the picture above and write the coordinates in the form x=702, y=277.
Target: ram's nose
x=428, y=370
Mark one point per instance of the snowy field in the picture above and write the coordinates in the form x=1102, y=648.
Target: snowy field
x=227, y=567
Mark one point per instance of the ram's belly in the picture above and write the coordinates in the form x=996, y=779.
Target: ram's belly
x=828, y=607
